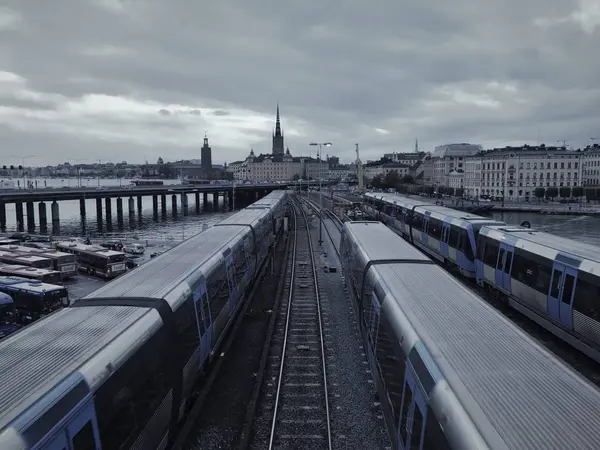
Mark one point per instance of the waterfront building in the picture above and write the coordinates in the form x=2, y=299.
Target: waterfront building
x=590, y=160
x=513, y=173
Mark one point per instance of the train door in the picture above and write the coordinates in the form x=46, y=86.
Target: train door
x=203, y=321
x=444, y=240
x=561, y=294
x=413, y=414
x=504, y=266
x=424, y=231
x=373, y=328
x=231, y=284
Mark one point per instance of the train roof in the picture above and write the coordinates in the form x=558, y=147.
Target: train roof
x=438, y=211
x=546, y=244
x=166, y=272
x=512, y=388
x=42, y=355
x=245, y=216
x=378, y=242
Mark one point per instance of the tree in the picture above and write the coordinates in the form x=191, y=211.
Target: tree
x=408, y=179
x=459, y=192
x=392, y=179
x=160, y=160
x=166, y=170
x=565, y=191
x=429, y=190
x=377, y=182
x=577, y=191
x=590, y=194
x=551, y=192
x=539, y=193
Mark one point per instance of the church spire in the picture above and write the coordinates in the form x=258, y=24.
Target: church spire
x=277, y=123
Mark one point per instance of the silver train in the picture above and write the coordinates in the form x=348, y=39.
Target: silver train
x=451, y=372
x=116, y=370
x=552, y=280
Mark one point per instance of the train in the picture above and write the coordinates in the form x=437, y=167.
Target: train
x=119, y=369
x=451, y=372
x=551, y=280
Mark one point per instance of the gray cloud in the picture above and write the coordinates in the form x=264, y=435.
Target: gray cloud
x=485, y=72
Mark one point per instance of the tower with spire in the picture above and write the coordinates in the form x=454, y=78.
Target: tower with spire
x=278, y=147
x=206, y=157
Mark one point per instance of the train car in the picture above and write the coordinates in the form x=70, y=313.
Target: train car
x=451, y=372
x=8, y=316
x=275, y=202
x=447, y=235
x=553, y=280
x=117, y=368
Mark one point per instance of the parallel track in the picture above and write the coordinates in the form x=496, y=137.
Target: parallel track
x=301, y=411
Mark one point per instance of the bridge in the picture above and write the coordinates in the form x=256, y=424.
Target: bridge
x=238, y=193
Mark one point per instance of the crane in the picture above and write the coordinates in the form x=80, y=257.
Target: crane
x=359, y=173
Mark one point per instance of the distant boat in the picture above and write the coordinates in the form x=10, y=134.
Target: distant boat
x=147, y=182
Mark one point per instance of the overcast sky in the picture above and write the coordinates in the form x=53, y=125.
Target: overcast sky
x=86, y=80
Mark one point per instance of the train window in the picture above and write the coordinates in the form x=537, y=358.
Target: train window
x=407, y=400
x=586, y=295
x=434, y=435
x=390, y=361
x=554, y=291
x=84, y=439
x=500, y=264
x=416, y=429
x=568, y=286
x=201, y=324
x=491, y=253
x=218, y=290
x=453, y=239
x=480, y=249
x=509, y=260
x=435, y=229
x=205, y=306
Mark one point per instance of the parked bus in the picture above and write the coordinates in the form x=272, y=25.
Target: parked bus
x=94, y=259
x=36, y=261
x=33, y=299
x=62, y=262
x=32, y=273
x=7, y=315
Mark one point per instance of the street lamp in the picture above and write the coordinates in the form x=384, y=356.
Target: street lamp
x=23, y=158
x=320, y=145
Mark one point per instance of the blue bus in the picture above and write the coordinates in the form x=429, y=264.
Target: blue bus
x=7, y=315
x=32, y=298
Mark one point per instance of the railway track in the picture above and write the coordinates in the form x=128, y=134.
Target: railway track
x=294, y=406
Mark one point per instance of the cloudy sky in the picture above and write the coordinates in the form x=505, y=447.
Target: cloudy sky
x=86, y=80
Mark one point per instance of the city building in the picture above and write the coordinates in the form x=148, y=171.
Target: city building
x=206, y=158
x=590, y=160
x=513, y=173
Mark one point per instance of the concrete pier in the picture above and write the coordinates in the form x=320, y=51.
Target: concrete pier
x=216, y=201
x=42, y=213
x=140, y=205
x=131, y=206
x=20, y=216
x=197, y=202
x=108, y=207
x=82, y=207
x=30, y=217
x=174, y=205
x=163, y=204
x=3, y=216
x=120, y=210
x=205, y=200
x=184, y=204
x=99, y=210
x=55, y=218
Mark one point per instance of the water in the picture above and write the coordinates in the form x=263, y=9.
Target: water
x=172, y=227
x=581, y=228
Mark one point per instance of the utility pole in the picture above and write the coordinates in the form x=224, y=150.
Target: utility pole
x=359, y=171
